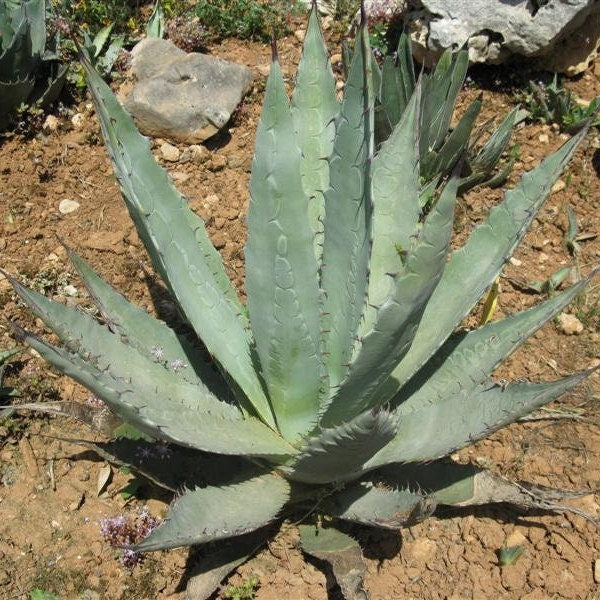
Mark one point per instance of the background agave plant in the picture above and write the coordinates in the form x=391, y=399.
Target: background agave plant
x=29, y=66
x=343, y=385
x=440, y=146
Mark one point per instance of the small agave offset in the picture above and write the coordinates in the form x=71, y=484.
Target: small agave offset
x=342, y=386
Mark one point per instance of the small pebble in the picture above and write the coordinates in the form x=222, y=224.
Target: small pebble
x=569, y=324
x=67, y=206
x=169, y=152
x=597, y=570
x=78, y=120
x=50, y=124
x=195, y=153
x=515, y=538
x=559, y=186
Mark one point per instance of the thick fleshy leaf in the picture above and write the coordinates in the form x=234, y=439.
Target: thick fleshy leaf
x=396, y=209
x=489, y=155
x=455, y=146
x=148, y=335
x=440, y=92
x=179, y=246
x=314, y=108
x=339, y=453
x=398, y=317
x=468, y=359
x=379, y=504
x=342, y=552
x=473, y=268
x=463, y=418
x=161, y=417
x=451, y=484
x=212, y=513
x=139, y=388
x=282, y=281
x=348, y=214
x=406, y=67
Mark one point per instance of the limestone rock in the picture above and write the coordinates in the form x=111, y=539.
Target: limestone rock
x=169, y=152
x=67, y=206
x=569, y=324
x=180, y=96
x=495, y=31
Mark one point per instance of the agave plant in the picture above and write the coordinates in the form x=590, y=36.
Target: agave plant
x=441, y=147
x=29, y=67
x=343, y=385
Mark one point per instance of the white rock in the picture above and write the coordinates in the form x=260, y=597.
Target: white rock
x=495, y=31
x=196, y=153
x=183, y=97
x=78, y=120
x=180, y=177
x=67, y=206
x=569, y=324
x=515, y=538
x=169, y=152
x=559, y=186
x=70, y=290
x=50, y=124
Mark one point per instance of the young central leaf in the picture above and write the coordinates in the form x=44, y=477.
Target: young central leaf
x=348, y=214
x=281, y=269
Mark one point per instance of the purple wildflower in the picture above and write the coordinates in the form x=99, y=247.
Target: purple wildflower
x=125, y=531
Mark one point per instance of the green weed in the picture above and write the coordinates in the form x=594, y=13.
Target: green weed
x=243, y=19
x=244, y=591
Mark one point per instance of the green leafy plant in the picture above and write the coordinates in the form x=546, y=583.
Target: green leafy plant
x=156, y=23
x=244, y=19
x=553, y=103
x=509, y=555
x=39, y=594
x=440, y=147
x=94, y=15
x=30, y=71
x=342, y=386
x=244, y=591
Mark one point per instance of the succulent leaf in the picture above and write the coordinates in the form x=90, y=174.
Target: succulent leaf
x=440, y=92
x=214, y=513
x=490, y=153
x=184, y=257
x=397, y=211
x=136, y=327
x=380, y=505
x=187, y=413
x=398, y=317
x=451, y=484
x=342, y=552
x=398, y=83
x=348, y=214
x=339, y=453
x=468, y=359
x=456, y=144
x=473, y=268
x=314, y=108
x=464, y=418
x=282, y=275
